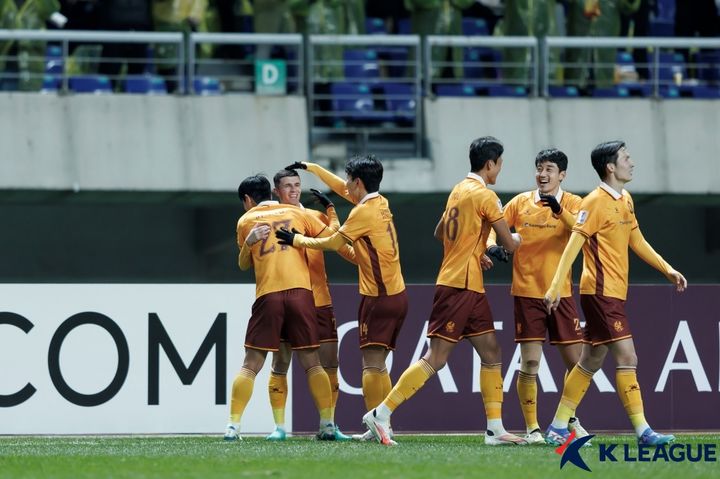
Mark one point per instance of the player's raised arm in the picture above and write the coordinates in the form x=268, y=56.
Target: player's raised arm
x=258, y=233
x=573, y=247
x=642, y=248
x=335, y=183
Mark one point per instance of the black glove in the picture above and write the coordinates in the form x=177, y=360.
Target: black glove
x=298, y=165
x=286, y=237
x=551, y=202
x=322, y=198
x=498, y=253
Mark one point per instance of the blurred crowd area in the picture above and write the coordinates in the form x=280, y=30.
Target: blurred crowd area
x=24, y=62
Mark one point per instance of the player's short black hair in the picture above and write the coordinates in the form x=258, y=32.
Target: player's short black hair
x=368, y=169
x=283, y=174
x=552, y=155
x=603, y=154
x=256, y=187
x=484, y=149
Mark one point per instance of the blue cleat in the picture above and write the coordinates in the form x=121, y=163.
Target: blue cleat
x=277, y=435
x=339, y=436
x=556, y=437
x=652, y=438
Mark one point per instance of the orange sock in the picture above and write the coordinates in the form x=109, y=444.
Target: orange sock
x=527, y=393
x=334, y=386
x=372, y=386
x=491, y=388
x=319, y=384
x=576, y=385
x=629, y=391
x=386, y=383
x=409, y=383
x=241, y=392
x=278, y=391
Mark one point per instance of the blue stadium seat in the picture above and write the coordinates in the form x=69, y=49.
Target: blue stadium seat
x=361, y=64
x=464, y=89
x=353, y=102
x=375, y=26
x=54, y=63
x=563, y=91
x=612, y=92
x=395, y=59
x=660, y=27
x=666, y=9
x=670, y=64
x=51, y=84
x=474, y=55
x=97, y=84
x=207, y=86
x=145, y=85
x=474, y=27
x=704, y=91
x=400, y=100
x=707, y=65
x=502, y=90
x=404, y=26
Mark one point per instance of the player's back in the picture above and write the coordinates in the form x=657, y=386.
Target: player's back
x=469, y=213
x=278, y=267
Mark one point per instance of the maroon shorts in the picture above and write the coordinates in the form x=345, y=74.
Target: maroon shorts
x=459, y=313
x=289, y=314
x=327, y=330
x=532, y=321
x=380, y=319
x=605, y=319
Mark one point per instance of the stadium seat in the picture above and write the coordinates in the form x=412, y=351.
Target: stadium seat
x=665, y=9
x=206, y=86
x=54, y=63
x=51, y=84
x=353, y=102
x=707, y=65
x=563, y=91
x=361, y=64
x=145, y=85
x=502, y=90
x=465, y=89
x=400, y=100
x=395, y=59
x=97, y=84
x=472, y=27
x=404, y=26
x=703, y=91
x=670, y=65
x=489, y=58
x=375, y=26
x=612, y=92
x=660, y=27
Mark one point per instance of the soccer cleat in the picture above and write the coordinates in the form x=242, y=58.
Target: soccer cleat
x=580, y=432
x=326, y=432
x=652, y=438
x=365, y=437
x=339, y=436
x=380, y=429
x=535, y=437
x=231, y=433
x=506, y=439
x=556, y=437
x=278, y=434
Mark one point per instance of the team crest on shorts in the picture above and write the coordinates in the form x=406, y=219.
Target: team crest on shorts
x=518, y=328
x=450, y=326
x=363, y=329
x=618, y=325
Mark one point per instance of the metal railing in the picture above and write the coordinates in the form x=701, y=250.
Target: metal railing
x=662, y=73
x=365, y=86
x=482, y=62
x=238, y=65
x=65, y=38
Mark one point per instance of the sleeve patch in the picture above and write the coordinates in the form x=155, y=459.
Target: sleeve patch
x=500, y=206
x=582, y=217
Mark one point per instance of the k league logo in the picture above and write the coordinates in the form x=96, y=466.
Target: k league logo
x=570, y=451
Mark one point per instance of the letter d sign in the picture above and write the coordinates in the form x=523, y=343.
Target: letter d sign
x=270, y=77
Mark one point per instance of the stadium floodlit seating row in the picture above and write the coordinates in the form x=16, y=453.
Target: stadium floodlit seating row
x=354, y=103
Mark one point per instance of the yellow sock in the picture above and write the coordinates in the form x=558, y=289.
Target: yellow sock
x=386, y=383
x=241, y=392
x=409, y=383
x=629, y=391
x=576, y=385
x=491, y=388
x=334, y=386
x=372, y=386
x=278, y=391
x=319, y=384
x=527, y=393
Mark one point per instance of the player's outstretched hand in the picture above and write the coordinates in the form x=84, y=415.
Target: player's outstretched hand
x=498, y=253
x=298, y=165
x=322, y=198
x=259, y=232
x=286, y=237
x=678, y=280
x=551, y=202
x=486, y=263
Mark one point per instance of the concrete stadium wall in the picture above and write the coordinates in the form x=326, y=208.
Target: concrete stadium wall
x=207, y=143
x=152, y=143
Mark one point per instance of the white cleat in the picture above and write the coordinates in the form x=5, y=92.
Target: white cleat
x=535, y=437
x=379, y=429
x=367, y=436
x=231, y=433
x=580, y=432
x=506, y=439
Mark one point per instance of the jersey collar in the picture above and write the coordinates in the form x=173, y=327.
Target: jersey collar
x=558, y=196
x=369, y=196
x=611, y=191
x=475, y=176
x=268, y=203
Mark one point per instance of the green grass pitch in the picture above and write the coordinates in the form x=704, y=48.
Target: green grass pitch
x=435, y=456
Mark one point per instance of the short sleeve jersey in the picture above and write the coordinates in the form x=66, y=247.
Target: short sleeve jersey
x=470, y=211
x=371, y=230
x=544, y=237
x=316, y=263
x=606, y=219
x=278, y=267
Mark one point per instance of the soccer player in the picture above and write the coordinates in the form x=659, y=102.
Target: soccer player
x=287, y=190
x=371, y=231
x=544, y=217
x=284, y=303
x=460, y=308
x=606, y=225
